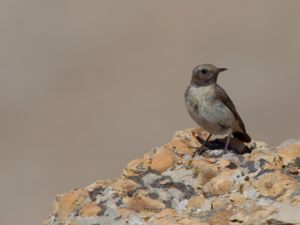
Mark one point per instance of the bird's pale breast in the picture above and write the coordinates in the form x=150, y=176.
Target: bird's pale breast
x=208, y=110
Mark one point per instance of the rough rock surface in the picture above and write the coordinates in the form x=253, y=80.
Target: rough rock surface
x=252, y=185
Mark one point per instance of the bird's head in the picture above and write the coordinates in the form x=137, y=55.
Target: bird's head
x=205, y=74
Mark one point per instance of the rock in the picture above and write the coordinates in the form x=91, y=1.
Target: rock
x=123, y=186
x=290, y=153
x=259, y=214
x=143, y=203
x=196, y=202
x=277, y=185
x=204, y=170
x=218, y=203
x=173, y=185
x=221, y=217
x=219, y=185
x=162, y=160
x=180, y=147
x=286, y=213
x=135, y=167
x=90, y=209
x=289, y=142
x=66, y=204
x=266, y=159
x=237, y=198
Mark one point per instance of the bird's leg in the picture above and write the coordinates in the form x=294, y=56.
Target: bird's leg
x=203, y=147
x=209, y=136
x=227, y=142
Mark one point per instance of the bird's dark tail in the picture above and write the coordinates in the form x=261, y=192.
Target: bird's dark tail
x=242, y=136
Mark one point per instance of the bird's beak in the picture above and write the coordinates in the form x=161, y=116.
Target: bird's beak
x=219, y=70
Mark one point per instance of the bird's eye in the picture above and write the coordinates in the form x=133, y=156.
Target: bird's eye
x=204, y=71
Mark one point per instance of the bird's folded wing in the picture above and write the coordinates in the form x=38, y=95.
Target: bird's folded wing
x=227, y=101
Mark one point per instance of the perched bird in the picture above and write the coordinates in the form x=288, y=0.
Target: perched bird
x=209, y=105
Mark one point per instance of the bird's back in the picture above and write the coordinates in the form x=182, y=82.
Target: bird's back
x=240, y=130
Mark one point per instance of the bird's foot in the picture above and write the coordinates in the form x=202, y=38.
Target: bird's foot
x=201, y=150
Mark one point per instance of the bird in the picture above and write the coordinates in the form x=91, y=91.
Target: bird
x=210, y=106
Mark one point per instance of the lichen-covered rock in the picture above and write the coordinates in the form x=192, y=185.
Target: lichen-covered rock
x=162, y=160
x=172, y=185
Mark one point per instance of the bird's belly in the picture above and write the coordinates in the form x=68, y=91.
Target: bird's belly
x=212, y=116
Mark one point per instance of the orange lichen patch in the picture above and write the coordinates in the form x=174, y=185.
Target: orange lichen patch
x=218, y=203
x=123, y=186
x=90, y=209
x=261, y=154
x=201, y=162
x=167, y=213
x=223, y=163
x=99, y=184
x=220, y=184
x=237, y=198
x=260, y=215
x=69, y=202
x=276, y=184
x=190, y=137
x=165, y=221
x=72, y=223
x=290, y=153
x=277, y=163
x=196, y=201
x=134, y=167
x=221, y=218
x=205, y=170
x=179, y=147
x=162, y=160
x=190, y=221
x=142, y=203
x=124, y=212
x=166, y=216
x=272, y=161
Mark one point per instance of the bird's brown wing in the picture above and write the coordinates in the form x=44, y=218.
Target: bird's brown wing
x=227, y=101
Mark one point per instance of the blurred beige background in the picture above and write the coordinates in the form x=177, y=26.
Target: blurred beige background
x=85, y=86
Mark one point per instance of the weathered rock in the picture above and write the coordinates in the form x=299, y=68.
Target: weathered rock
x=67, y=204
x=237, y=198
x=196, y=202
x=172, y=185
x=162, y=160
x=289, y=153
x=220, y=184
x=90, y=209
x=143, y=203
